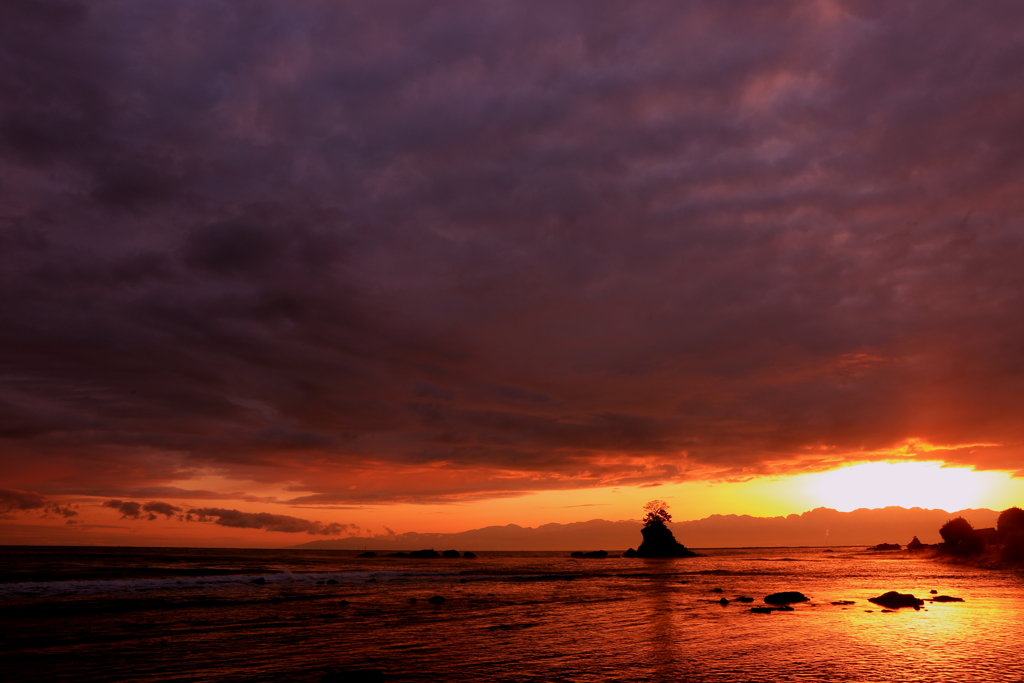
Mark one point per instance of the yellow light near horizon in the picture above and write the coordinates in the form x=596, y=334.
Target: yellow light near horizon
x=905, y=484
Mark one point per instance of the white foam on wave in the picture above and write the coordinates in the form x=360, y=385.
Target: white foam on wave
x=215, y=583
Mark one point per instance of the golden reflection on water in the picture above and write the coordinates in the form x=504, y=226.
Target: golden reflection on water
x=517, y=619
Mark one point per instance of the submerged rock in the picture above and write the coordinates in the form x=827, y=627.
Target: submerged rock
x=895, y=600
x=591, y=555
x=723, y=602
x=844, y=602
x=332, y=582
x=468, y=555
x=399, y=555
x=368, y=553
x=743, y=598
x=436, y=600
x=785, y=597
x=769, y=610
x=259, y=581
x=946, y=598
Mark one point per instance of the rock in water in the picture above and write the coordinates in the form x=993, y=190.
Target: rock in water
x=785, y=598
x=659, y=542
x=630, y=553
x=428, y=554
x=893, y=600
x=436, y=600
x=468, y=555
x=946, y=598
x=451, y=554
x=368, y=553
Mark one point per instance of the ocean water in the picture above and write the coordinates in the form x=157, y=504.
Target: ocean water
x=129, y=614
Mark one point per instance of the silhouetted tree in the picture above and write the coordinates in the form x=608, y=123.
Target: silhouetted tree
x=657, y=513
x=1011, y=532
x=1011, y=520
x=658, y=538
x=960, y=538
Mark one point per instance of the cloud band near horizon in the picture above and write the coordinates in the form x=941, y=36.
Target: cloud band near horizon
x=475, y=249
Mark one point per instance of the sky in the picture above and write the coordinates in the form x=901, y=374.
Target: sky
x=278, y=270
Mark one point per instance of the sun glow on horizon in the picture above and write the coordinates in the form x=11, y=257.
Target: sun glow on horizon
x=904, y=484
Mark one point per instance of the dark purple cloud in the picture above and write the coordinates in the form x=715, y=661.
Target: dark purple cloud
x=128, y=509
x=13, y=501
x=267, y=521
x=156, y=507
x=474, y=249
x=133, y=510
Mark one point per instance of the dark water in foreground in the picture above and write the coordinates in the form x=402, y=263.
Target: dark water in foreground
x=124, y=614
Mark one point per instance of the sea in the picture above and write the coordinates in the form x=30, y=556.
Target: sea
x=177, y=614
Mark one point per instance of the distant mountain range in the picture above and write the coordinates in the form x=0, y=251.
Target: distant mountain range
x=818, y=527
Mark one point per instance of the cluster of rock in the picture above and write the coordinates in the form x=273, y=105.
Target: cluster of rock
x=888, y=546
x=427, y=554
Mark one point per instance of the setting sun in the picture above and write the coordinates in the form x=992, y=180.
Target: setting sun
x=906, y=484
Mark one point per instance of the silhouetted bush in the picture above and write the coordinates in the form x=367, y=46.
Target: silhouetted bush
x=1011, y=532
x=960, y=538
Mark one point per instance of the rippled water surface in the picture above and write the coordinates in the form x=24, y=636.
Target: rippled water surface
x=102, y=614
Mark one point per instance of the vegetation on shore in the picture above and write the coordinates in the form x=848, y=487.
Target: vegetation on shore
x=999, y=548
